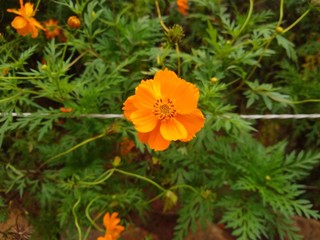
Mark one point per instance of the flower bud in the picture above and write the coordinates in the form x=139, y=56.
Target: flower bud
x=214, y=79
x=5, y=71
x=279, y=29
x=175, y=34
x=116, y=161
x=74, y=22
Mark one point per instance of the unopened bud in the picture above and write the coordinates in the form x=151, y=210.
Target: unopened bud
x=214, y=79
x=74, y=22
x=175, y=34
x=279, y=29
x=172, y=196
x=116, y=161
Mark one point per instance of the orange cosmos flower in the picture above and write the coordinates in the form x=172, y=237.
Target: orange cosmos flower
x=111, y=224
x=183, y=6
x=164, y=109
x=25, y=23
x=53, y=29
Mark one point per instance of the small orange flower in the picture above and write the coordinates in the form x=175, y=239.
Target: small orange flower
x=112, y=226
x=164, y=109
x=25, y=23
x=74, y=22
x=65, y=110
x=126, y=145
x=53, y=29
x=183, y=7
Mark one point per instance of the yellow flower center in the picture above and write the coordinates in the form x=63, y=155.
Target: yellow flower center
x=164, y=109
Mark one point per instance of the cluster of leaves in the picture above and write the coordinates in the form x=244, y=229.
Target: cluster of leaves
x=65, y=165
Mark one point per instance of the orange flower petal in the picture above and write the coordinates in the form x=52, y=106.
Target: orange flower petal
x=35, y=23
x=144, y=120
x=25, y=31
x=154, y=139
x=106, y=219
x=28, y=8
x=34, y=31
x=172, y=129
x=14, y=11
x=19, y=22
x=145, y=94
x=169, y=82
x=186, y=98
x=177, y=89
x=193, y=122
x=144, y=137
x=128, y=107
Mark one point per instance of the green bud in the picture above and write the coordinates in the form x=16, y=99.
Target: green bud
x=279, y=29
x=175, y=34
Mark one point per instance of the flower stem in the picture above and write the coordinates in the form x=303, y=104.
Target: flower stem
x=88, y=214
x=37, y=5
x=101, y=179
x=184, y=186
x=297, y=21
x=280, y=13
x=159, y=16
x=76, y=218
x=72, y=149
x=246, y=21
x=178, y=57
x=140, y=177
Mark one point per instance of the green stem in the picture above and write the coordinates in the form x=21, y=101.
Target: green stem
x=101, y=180
x=76, y=218
x=165, y=52
x=37, y=5
x=140, y=177
x=184, y=186
x=305, y=101
x=179, y=60
x=10, y=98
x=280, y=13
x=72, y=149
x=246, y=21
x=160, y=18
x=87, y=212
x=16, y=78
x=297, y=21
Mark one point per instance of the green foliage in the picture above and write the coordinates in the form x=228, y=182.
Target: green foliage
x=67, y=169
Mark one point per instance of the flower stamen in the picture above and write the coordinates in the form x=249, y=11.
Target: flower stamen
x=164, y=110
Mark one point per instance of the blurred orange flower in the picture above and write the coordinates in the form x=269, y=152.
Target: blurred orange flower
x=74, y=22
x=183, y=7
x=164, y=109
x=111, y=223
x=25, y=23
x=53, y=29
x=65, y=110
x=126, y=145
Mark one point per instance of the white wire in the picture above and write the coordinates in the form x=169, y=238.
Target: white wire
x=254, y=116
x=280, y=116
